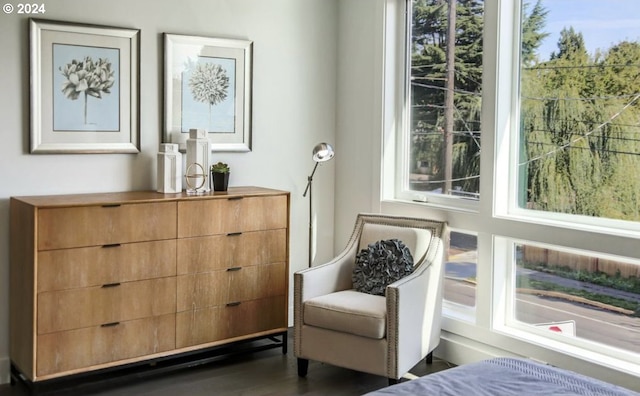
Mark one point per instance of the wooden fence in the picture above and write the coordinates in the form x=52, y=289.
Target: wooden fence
x=578, y=262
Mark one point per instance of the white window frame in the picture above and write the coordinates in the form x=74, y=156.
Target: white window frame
x=402, y=191
x=495, y=218
x=509, y=136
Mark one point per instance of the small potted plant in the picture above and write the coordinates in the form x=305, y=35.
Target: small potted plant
x=220, y=176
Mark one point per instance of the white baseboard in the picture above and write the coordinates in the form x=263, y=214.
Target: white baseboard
x=5, y=370
x=460, y=350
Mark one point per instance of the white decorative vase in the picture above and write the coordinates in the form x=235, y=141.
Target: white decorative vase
x=197, y=172
x=169, y=174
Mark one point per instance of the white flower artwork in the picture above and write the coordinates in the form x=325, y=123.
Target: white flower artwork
x=86, y=78
x=86, y=94
x=208, y=94
x=209, y=83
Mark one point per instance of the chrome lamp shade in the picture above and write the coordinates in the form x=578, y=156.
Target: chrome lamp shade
x=322, y=152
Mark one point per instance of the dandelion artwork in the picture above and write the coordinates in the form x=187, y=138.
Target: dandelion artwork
x=209, y=84
x=86, y=96
x=209, y=94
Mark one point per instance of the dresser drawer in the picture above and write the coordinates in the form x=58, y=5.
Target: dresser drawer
x=85, y=307
x=69, y=227
x=234, y=214
x=200, y=326
x=233, y=285
x=98, y=265
x=81, y=348
x=224, y=251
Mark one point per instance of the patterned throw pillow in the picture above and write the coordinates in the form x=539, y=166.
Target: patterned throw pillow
x=380, y=264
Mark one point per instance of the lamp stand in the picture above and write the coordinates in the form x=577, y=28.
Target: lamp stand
x=308, y=189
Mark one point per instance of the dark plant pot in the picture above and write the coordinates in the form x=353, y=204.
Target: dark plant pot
x=220, y=181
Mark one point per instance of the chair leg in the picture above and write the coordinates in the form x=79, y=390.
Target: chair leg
x=393, y=381
x=429, y=358
x=303, y=367
x=285, y=343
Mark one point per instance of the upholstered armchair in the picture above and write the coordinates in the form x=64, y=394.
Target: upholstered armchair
x=383, y=335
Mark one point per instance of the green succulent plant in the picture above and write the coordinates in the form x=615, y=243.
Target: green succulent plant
x=220, y=167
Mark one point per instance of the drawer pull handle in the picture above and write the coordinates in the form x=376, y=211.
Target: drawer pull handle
x=111, y=284
x=111, y=245
x=234, y=234
x=234, y=198
x=234, y=269
x=110, y=324
x=233, y=304
x=111, y=206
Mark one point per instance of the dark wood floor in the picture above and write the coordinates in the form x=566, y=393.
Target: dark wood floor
x=258, y=373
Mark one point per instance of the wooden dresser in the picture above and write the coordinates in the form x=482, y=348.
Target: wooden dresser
x=103, y=280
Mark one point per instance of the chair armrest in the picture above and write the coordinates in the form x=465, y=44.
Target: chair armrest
x=317, y=281
x=325, y=278
x=414, y=312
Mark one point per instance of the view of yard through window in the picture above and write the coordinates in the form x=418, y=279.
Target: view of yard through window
x=446, y=89
x=460, y=270
x=579, y=149
x=580, y=110
x=583, y=296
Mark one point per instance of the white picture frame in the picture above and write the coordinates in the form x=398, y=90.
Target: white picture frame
x=208, y=85
x=84, y=88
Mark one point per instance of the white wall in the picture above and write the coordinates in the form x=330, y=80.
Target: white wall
x=294, y=107
x=359, y=114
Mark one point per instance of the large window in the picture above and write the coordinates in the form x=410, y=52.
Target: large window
x=542, y=99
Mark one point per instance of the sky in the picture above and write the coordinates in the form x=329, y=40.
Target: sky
x=601, y=22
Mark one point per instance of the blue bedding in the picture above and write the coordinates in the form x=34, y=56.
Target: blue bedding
x=504, y=376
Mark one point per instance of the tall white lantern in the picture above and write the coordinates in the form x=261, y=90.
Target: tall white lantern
x=197, y=172
x=169, y=174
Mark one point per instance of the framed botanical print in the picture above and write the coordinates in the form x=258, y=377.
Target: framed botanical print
x=84, y=88
x=208, y=86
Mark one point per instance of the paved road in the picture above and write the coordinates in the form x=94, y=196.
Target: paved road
x=610, y=328
x=606, y=327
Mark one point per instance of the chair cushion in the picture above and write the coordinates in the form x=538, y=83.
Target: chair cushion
x=348, y=311
x=380, y=264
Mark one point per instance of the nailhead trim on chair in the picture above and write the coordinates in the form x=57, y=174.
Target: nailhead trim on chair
x=392, y=292
x=297, y=314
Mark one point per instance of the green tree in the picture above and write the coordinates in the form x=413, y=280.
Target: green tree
x=532, y=31
x=428, y=70
x=580, y=128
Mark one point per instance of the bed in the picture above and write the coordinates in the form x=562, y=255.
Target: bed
x=504, y=376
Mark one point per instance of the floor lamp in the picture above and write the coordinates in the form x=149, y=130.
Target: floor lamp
x=322, y=152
